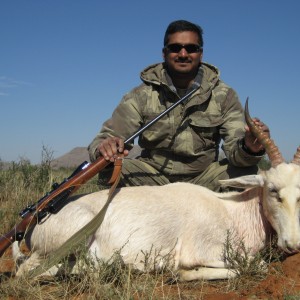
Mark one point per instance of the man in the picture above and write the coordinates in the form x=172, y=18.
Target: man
x=184, y=144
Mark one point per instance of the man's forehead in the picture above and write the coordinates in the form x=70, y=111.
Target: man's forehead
x=183, y=37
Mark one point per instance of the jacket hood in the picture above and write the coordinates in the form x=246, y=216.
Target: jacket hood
x=155, y=74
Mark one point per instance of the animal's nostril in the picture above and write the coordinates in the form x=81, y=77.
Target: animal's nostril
x=292, y=250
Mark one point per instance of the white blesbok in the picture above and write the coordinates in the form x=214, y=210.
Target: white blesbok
x=184, y=223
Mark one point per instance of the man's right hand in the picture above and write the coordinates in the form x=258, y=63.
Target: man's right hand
x=110, y=147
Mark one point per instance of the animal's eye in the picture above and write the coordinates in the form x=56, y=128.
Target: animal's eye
x=273, y=192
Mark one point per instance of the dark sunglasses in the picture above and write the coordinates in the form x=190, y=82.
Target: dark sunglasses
x=176, y=48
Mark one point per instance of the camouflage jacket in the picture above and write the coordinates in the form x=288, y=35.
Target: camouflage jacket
x=187, y=140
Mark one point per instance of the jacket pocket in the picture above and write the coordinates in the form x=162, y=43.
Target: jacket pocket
x=205, y=131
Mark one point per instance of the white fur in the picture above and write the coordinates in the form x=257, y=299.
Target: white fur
x=186, y=222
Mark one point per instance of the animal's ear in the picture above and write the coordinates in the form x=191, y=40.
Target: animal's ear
x=243, y=181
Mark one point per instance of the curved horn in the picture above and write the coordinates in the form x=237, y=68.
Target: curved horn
x=271, y=149
x=296, y=159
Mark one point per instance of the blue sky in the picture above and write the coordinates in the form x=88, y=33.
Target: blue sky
x=65, y=64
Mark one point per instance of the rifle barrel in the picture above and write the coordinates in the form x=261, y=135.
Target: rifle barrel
x=160, y=116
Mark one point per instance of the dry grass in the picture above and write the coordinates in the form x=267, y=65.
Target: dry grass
x=250, y=269
x=105, y=280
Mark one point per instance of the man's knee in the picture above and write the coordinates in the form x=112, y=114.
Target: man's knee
x=134, y=173
x=222, y=170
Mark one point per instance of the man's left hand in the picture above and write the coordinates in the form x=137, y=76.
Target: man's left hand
x=251, y=141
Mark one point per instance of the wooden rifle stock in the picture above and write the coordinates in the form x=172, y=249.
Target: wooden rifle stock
x=35, y=213
x=31, y=218
x=16, y=233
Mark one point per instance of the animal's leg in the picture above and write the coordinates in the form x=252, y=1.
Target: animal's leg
x=18, y=257
x=30, y=263
x=204, y=273
x=215, y=264
x=212, y=270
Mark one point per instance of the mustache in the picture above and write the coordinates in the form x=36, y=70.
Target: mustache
x=182, y=59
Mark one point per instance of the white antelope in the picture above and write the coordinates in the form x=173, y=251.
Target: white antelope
x=183, y=222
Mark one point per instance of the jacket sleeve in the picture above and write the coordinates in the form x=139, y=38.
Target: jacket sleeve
x=125, y=121
x=233, y=131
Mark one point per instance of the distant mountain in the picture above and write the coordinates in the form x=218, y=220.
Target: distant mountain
x=80, y=154
x=71, y=159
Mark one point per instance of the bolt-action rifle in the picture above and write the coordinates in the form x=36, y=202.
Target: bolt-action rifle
x=54, y=200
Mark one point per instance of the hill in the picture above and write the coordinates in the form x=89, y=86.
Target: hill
x=71, y=159
x=80, y=154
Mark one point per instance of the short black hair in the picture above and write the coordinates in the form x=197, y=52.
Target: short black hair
x=182, y=25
